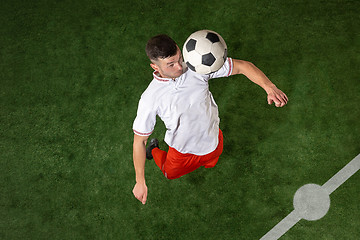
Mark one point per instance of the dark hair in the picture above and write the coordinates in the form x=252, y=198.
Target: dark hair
x=160, y=46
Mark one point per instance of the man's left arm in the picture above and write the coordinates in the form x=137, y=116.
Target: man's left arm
x=274, y=95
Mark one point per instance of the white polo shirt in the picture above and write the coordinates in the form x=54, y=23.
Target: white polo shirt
x=187, y=108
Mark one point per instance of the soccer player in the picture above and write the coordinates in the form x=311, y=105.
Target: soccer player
x=181, y=98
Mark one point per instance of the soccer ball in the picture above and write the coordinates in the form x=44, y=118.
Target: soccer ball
x=205, y=51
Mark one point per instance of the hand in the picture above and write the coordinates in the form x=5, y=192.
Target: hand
x=140, y=192
x=276, y=96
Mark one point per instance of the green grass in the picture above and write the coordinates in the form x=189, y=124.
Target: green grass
x=71, y=76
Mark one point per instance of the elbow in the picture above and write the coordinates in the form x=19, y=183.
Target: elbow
x=140, y=140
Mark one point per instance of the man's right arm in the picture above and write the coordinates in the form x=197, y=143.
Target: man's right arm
x=139, y=157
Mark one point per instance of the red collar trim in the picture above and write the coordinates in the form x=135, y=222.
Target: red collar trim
x=156, y=73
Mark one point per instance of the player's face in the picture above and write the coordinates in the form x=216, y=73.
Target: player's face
x=171, y=67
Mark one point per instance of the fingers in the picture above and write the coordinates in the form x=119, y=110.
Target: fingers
x=285, y=97
x=140, y=193
x=143, y=201
x=281, y=103
x=137, y=196
x=279, y=100
x=278, y=103
x=277, y=96
x=141, y=198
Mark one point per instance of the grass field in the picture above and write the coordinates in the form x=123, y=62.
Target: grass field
x=72, y=73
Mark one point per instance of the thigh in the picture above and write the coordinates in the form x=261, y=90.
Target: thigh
x=178, y=164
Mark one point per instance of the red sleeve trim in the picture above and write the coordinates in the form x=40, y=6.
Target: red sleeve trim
x=142, y=134
x=230, y=66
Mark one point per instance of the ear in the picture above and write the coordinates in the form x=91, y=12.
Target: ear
x=154, y=66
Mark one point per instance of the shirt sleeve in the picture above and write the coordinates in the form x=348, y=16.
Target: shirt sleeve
x=145, y=120
x=225, y=70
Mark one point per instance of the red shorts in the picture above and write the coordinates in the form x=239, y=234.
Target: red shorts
x=174, y=164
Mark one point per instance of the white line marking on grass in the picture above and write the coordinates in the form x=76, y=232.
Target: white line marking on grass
x=312, y=202
x=282, y=227
x=344, y=174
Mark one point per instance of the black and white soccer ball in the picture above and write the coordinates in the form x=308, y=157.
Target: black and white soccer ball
x=205, y=51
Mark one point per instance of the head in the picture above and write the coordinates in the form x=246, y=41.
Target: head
x=165, y=56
